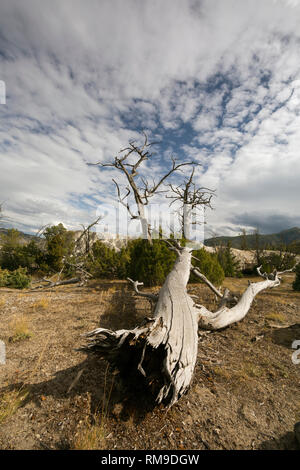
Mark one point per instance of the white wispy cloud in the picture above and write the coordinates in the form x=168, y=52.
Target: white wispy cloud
x=215, y=80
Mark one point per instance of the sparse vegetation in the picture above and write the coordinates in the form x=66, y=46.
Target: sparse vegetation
x=20, y=329
x=11, y=401
x=91, y=436
x=227, y=381
x=280, y=317
x=2, y=301
x=92, y=433
x=41, y=304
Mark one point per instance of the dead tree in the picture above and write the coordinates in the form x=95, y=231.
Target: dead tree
x=164, y=349
x=77, y=261
x=191, y=198
x=138, y=185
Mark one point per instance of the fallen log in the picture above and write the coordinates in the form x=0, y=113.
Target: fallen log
x=163, y=350
x=50, y=284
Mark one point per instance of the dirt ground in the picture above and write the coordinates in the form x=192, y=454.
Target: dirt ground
x=244, y=395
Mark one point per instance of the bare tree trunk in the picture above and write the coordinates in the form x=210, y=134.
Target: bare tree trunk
x=164, y=349
x=173, y=332
x=144, y=223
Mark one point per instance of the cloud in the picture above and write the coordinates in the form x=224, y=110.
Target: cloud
x=215, y=81
x=272, y=223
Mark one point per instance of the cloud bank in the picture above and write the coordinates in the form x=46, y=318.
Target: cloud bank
x=215, y=81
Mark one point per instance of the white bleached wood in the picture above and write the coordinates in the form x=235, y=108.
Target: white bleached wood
x=225, y=316
x=178, y=328
x=174, y=328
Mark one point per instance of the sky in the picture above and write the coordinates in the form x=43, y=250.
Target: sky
x=212, y=81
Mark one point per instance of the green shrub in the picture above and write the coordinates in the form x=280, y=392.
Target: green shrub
x=11, y=250
x=123, y=260
x=294, y=247
x=296, y=283
x=4, y=273
x=107, y=263
x=59, y=244
x=17, y=279
x=229, y=262
x=279, y=261
x=209, y=266
x=15, y=253
x=150, y=264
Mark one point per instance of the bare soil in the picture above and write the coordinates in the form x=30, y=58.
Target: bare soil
x=244, y=395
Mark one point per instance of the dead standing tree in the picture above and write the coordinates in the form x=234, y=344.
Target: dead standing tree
x=163, y=350
x=77, y=261
x=191, y=198
x=139, y=186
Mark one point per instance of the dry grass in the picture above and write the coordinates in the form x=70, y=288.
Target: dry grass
x=111, y=290
x=236, y=284
x=246, y=372
x=252, y=370
x=2, y=301
x=226, y=383
x=280, y=317
x=11, y=401
x=284, y=300
x=20, y=329
x=92, y=434
x=41, y=304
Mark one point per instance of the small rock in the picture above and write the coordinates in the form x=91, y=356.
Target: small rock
x=297, y=431
x=257, y=338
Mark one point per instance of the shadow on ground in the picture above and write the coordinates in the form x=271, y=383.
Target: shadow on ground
x=95, y=376
x=285, y=442
x=286, y=336
x=122, y=313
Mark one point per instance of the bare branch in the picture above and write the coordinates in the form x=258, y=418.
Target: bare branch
x=191, y=198
x=135, y=284
x=74, y=280
x=207, y=282
x=143, y=192
x=121, y=200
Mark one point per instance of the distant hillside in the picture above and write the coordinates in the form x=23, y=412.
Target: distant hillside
x=25, y=237
x=273, y=240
